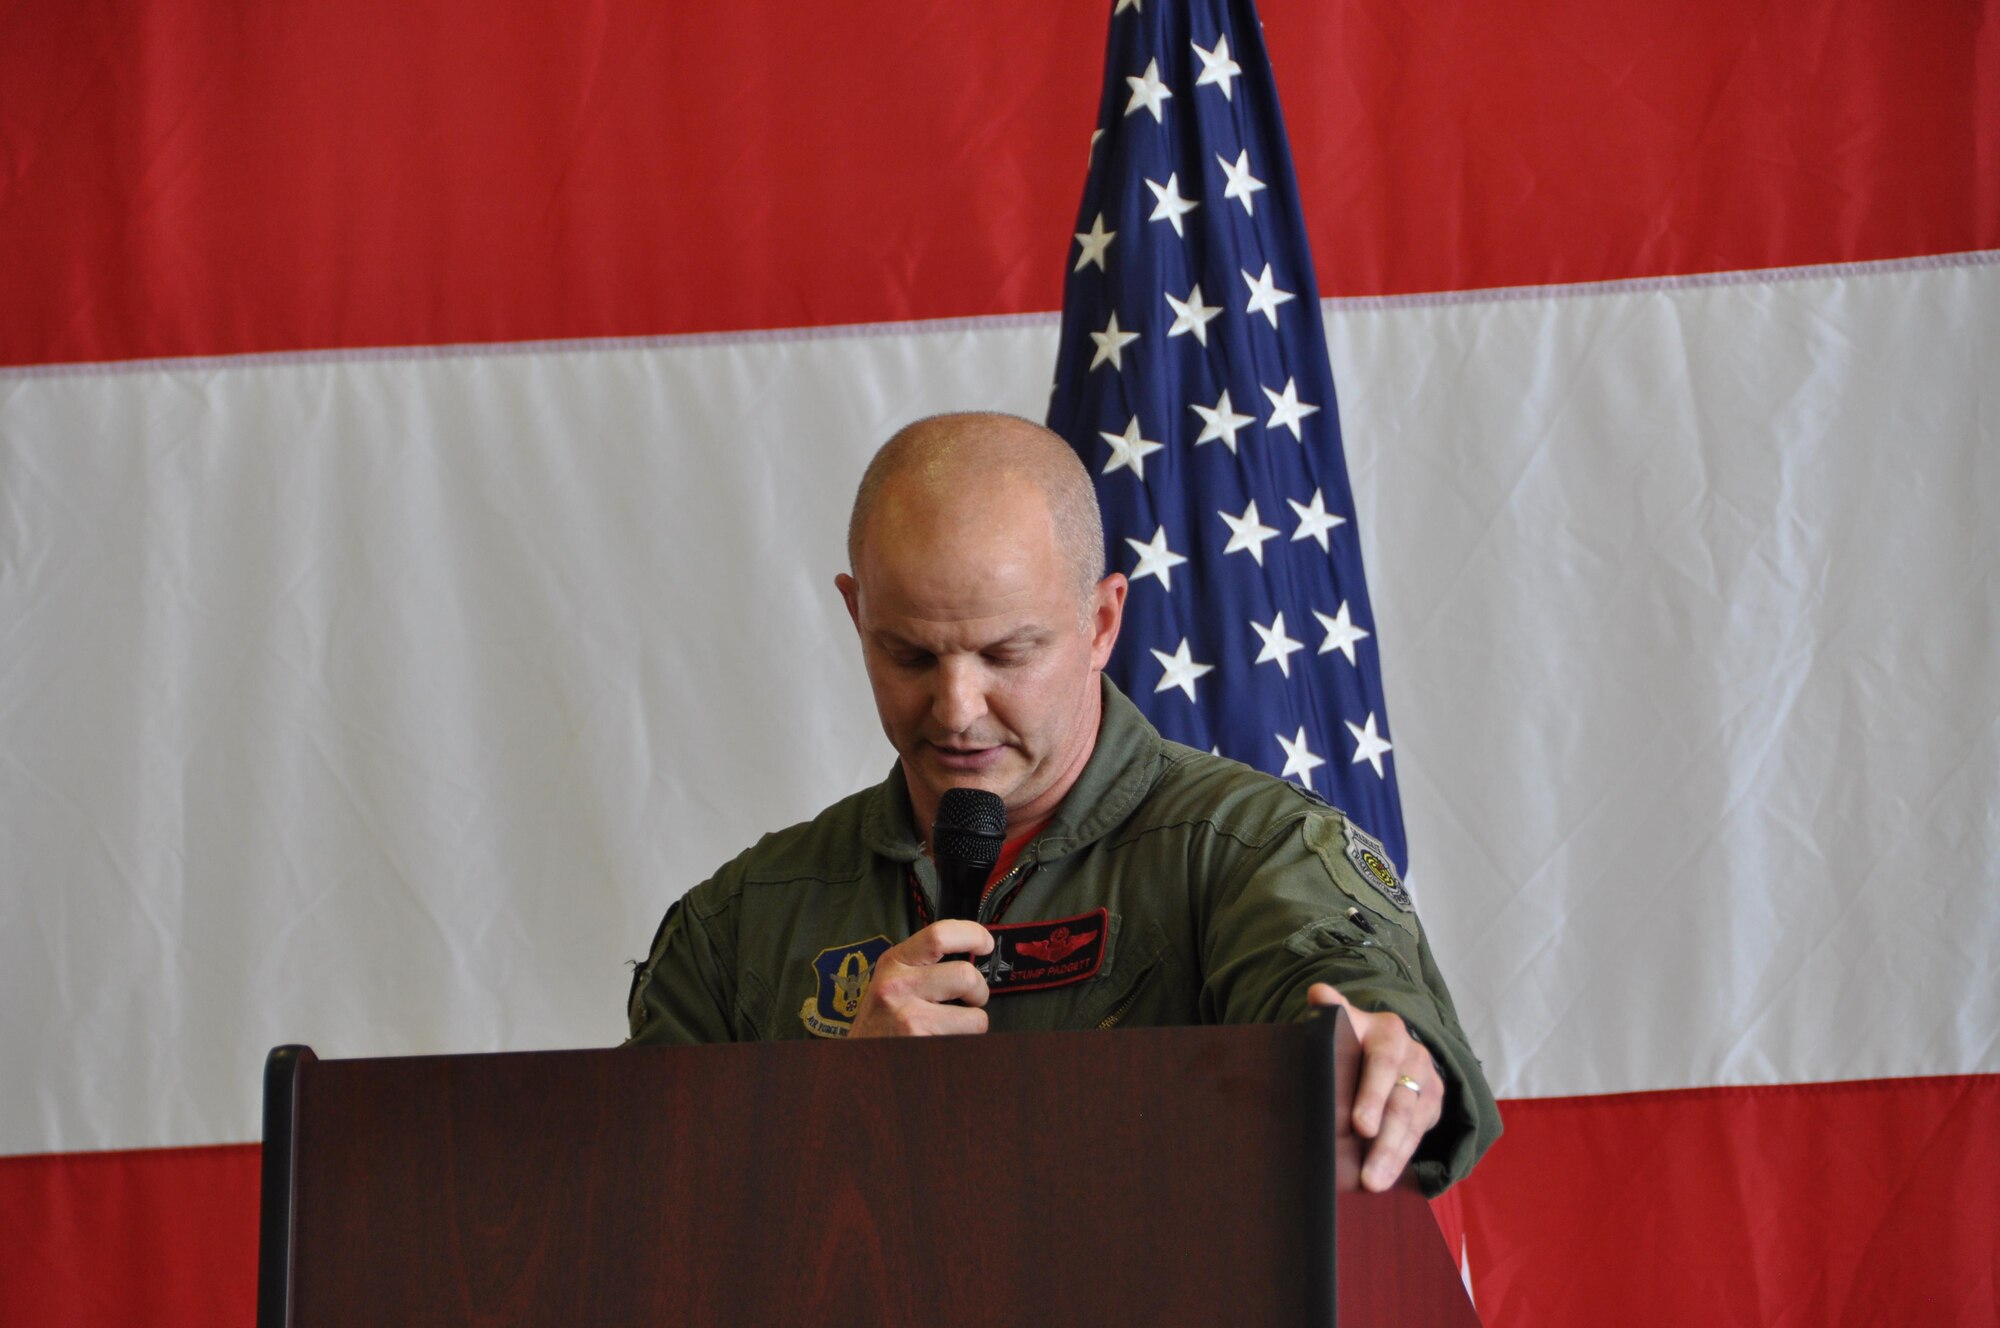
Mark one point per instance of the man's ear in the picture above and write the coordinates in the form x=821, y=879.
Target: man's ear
x=1107, y=613
x=850, y=594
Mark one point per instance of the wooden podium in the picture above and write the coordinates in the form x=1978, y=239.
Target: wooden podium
x=1169, y=1176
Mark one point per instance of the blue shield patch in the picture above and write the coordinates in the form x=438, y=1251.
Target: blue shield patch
x=843, y=972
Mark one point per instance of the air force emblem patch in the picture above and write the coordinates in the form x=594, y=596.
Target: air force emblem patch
x=843, y=972
x=1372, y=861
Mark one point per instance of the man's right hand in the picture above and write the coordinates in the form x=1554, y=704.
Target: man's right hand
x=913, y=989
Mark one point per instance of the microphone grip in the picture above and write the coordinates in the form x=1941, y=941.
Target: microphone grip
x=968, y=835
x=960, y=884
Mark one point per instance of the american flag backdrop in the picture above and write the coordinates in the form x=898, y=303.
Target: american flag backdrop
x=425, y=445
x=1193, y=379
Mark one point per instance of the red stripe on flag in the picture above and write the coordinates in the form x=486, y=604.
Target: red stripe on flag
x=1865, y=1202
x=183, y=179
x=1848, y=1203
x=162, y=1237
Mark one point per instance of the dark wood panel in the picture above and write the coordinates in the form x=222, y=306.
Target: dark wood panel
x=1130, y=1176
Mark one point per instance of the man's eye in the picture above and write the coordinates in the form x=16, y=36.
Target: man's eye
x=911, y=659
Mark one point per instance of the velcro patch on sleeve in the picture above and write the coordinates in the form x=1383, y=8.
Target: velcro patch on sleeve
x=1033, y=956
x=1365, y=851
x=1358, y=866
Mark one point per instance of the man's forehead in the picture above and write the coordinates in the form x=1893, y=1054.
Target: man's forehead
x=928, y=599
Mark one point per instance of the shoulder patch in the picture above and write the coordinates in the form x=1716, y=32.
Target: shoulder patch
x=843, y=972
x=1372, y=861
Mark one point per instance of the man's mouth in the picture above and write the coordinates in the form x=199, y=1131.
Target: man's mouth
x=965, y=758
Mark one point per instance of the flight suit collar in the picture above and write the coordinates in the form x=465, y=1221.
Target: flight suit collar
x=889, y=823
x=1121, y=771
x=1122, y=767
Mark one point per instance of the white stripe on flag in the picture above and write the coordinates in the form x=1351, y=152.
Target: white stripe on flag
x=381, y=703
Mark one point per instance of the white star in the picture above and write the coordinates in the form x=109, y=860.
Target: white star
x=1091, y=156
x=1299, y=759
x=1094, y=241
x=1314, y=519
x=1220, y=421
x=1241, y=184
x=1286, y=408
x=1278, y=648
x=1181, y=670
x=1369, y=746
x=1172, y=207
x=1191, y=315
x=1341, y=633
x=1217, y=67
x=1148, y=91
x=1111, y=344
x=1157, y=560
x=1129, y=450
x=1247, y=532
x=1136, y=6
x=1265, y=297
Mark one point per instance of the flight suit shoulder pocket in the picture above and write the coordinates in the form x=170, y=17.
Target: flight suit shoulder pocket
x=1354, y=936
x=1360, y=868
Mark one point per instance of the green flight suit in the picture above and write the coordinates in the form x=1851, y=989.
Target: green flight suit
x=1226, y=893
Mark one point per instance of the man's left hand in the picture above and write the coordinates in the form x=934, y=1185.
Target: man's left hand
x=1386, y=1109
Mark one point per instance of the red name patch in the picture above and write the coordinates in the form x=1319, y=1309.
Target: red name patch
x=1033, y=956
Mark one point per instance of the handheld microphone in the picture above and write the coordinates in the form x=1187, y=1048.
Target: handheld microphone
x=971, y=826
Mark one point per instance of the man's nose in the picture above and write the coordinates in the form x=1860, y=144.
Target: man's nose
x=960, y=701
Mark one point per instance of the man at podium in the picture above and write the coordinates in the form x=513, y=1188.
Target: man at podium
x=1141, y=882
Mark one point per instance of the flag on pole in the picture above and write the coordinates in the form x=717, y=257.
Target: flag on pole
x=1193, y=380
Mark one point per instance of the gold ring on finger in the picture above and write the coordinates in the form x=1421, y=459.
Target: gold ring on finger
x=1409, y=1082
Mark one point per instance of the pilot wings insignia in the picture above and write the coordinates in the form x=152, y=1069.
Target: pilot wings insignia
x=1058, y=946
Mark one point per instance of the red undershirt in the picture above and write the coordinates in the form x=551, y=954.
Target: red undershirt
x=1010, y=852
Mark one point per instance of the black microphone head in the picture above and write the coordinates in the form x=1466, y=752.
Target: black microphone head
x=971, y=826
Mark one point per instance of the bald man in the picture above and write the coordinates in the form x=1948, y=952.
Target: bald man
x=1143, y=882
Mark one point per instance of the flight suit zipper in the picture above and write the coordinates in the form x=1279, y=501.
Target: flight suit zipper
x=1118, y=1012
x=993, y=904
